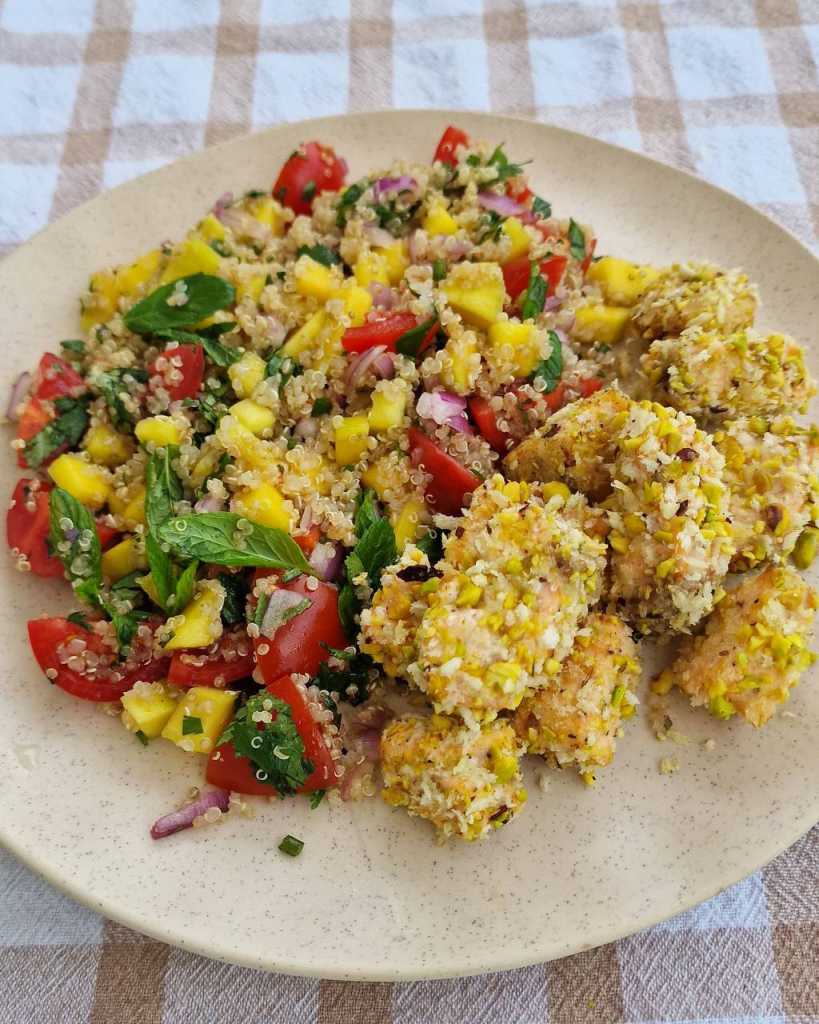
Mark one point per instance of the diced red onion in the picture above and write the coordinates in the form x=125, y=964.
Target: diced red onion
x=552, y=302
x=176, y=821
x=210, y=503
x=306, y=428
x=359, y=366
x=403, y=183
x=383, y=296
x=241, y=223
x=327, y=559
x=279, y=610
x=378, y=236
x=504, y=205
x=221, y=204
x=370, y=743
x=18, y=392
x=446, y=409
x=384, y=366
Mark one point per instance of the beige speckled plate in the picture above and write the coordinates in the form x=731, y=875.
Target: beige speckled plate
x=372, y=896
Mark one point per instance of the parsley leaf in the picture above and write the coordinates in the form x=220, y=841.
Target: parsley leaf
x=577, y=240
x=319, y=253
x=409, y=344
x=112, y=385
x=549, y=370
x=191, y=725
x=535, y=298
x=206, y=294
x=213, y=538
x=541, y=208
x=349, y=197
x=64, y=431
x=352, y=682
x=74, y=347
x=500, y=162
x=275, y=748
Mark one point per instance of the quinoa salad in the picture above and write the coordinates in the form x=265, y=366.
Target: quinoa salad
x=373, y=487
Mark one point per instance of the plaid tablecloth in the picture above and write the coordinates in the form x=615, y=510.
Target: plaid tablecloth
x=93, y=93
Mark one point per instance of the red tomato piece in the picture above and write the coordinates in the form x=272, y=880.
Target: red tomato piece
x=226, y=664
x=309, y=170
x=299, y=644
x=484, y=416
x=27, y=528
x=516, y=274
x=385, y=332
x=589, y=386
x=592, y=245
x=556, y=399
x=107, y=534
x=450, y=140
x=227, y=770
x=107, y=683
x=191, y=359
x=522, y=196
x=451, y=482
x=307, y=541
x=553, y=268
x=33, y=418
x=55, y=378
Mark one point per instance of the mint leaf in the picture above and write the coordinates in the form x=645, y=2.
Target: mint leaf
x=366, y=511
x=409, y=343
x=163, y=489
x=219, y=354
x=541, y=208
x=63, y=432
x=206, y=294
x=214, y=538
x=577, y=240
x=535, y=298
x=319, y=253
x=73, y=538
x=549, y=370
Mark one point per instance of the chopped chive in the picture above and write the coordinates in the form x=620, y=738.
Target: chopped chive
x=439, y=270
x=143, y=739
x=191, y=725
x=316, y=797
x=291, y=846
x=321, y=406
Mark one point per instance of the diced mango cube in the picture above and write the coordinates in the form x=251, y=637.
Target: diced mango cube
x=138, y=273
x=250, y=287
x=601, y=324
x=621, y=282
x=123, y=558
x=515, y=231
x=268, y=212
x=314, y=280
x=131, y=508
x=106, y=446
x=521, y=339
x=439, y=221
x=357, y=301
x=463, y=372
x=304, y=337
x=89, y=484
x=211, y=229
x=101, y=304
x=200, y=624
x=409, y=522
x=250, y=451
x=262, y=504
x=378, y=476
x=200, y=718
x=396, y=260
x=257, y=418
x=247, y=373
x=481, y=304
x=371, y=267
x=387, y=410
x=146, y=708
x=148, y=587
x=158, y=430
x=351, y=439
x=193, y=256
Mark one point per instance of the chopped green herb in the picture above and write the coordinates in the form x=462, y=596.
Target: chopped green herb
x=116, y=386
x=349, y=197
x=143, y=739
x=577, y=240
x=74, y=346
x=549, y=370
x=431, y=543
x=205, y=295
x=219, y=354
x=439, y=270
x=535, y=298
x=309, y=191
x=73, y=538
x=321, y=407
x=63, y=432
x=541, y=208
x=352, y=682
x=410, y=342
x=79, y=619
x=216, y=538
x=191, y=726
x=233, y=610
x=316, y=797
x=291, y=846
x=276, y=749
x=261, y=608
x=366, y=511
x=501, y=163
x=319, y=253
x=494, y=225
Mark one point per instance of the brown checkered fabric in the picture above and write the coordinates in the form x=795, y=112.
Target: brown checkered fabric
x=97, y=91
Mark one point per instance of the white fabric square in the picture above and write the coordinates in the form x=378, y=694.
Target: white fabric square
x=48, y=16
x=812, y=33
x=753, y=161
x=719, y=62
x=580, y=71
x=32, y=912
x=291, y=86
x=628, y=138
x=27, y=191
x=444, y=73
x=414, y=10
x=164, y=16
x=294, y=12
x=115, y=172
x=37, y=100
x=741, y=906
x=164, y=89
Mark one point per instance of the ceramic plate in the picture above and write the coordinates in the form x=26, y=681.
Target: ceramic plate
x=372, y=896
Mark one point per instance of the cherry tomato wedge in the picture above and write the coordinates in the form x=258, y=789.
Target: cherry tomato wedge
x=450, y=140
x=299, y=644
x=450, y=481
x=107, y=534
x=522, y=195
x=48, y=635
x=27, y=528
x=309, y=170
x=307, y=541
x=228, y=770
x=187, y=360
x=56, y=378
x=556, y=398
x=33, y=418
x=484, y=416
x=226, y=664
x=592, y=245
x=516, y=274
x=589, y=386
x=385, y=332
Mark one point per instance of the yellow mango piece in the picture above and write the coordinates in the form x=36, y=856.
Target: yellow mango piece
x=480, y=305
x=408, y=523
x=139, y=273
x=268, y=212
x=439, y=221
x=89, y=484
x=396, y=260
x=515, y=231
x=250, y=287
x=147, y=585
x=357, y=301
x=211, y=229
x=146, y=708
x=462, y=371
x=193, y=256
x=262, y=504
x=239, y=442
x=601, y=324
x=200, y=708
x=521, y=338
x=158, y=430
x=314, y=280
x=621, y=282
x=130, y=509
x=106, y=446
x=387, y=410
x=304, y=337
x=199, y=625
x=371, y=267
x=351, y=439
x=101, y=304
x=256, y=418
x=123, y=558
x=206, y=465
x=247, y=373
x=377, y=476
